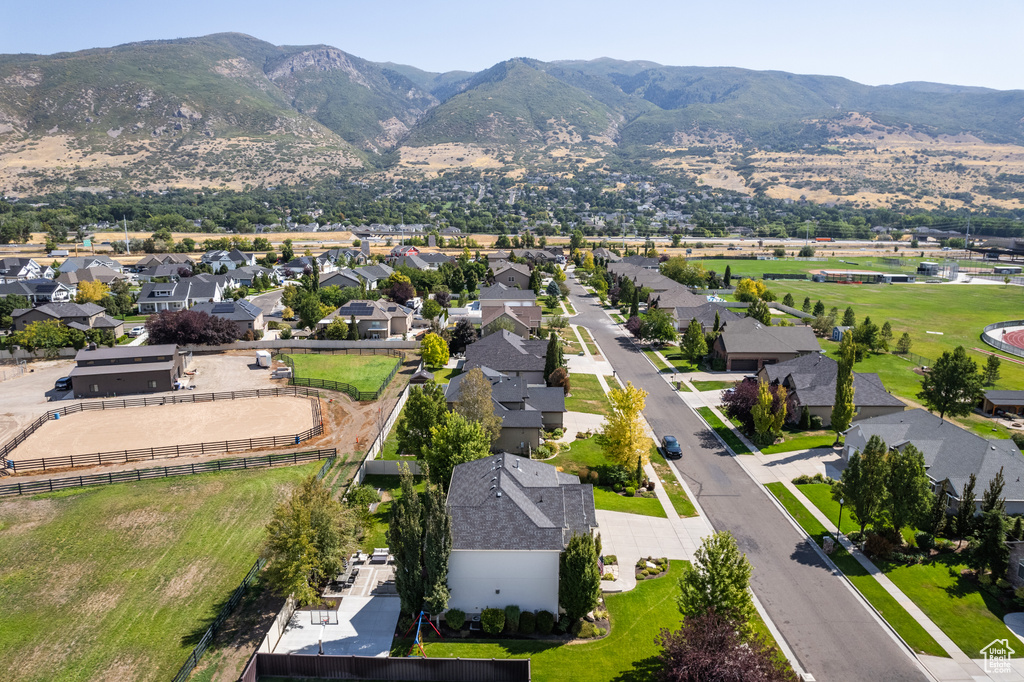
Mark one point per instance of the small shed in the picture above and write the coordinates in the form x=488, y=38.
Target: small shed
x=421, y=377
x=928, y=269
x=837, y=333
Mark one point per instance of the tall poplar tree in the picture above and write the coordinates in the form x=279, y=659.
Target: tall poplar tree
x=843, y=407
x=405, y=541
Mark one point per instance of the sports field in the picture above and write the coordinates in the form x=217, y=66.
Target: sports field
x=160, y=425
x=119, y=582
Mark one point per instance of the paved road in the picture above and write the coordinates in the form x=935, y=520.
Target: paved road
x=269, y=302
x=827, y=627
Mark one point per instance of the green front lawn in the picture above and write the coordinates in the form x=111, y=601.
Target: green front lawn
x=726, y=434
x=680, y=502
x=588, y=340
x=675, y=358
x=569, y=308
x=365, y=372
x=909, y=629
x=127, y=577
x=820, y=495
x=587, y=395
x=801, y=441
x=605, y=498
x=713, y=385
x=658, y=362
x=582, y=453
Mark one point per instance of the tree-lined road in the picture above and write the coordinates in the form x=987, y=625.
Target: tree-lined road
x=828, y=628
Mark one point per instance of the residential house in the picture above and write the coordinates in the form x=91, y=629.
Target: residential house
x=501, y=295
x=340, y=278
x=705, y=314
x=509, y=354
x=81, y=316
x=246, y=316
x=14, y=269
x=170, y=271
x=38, y=291
x=87, y=262
x=746, y=345
x=496, y=257
x=606, y=255
x=123, y=370
x=511, y=519
x=810, y=382
x=375, y=319
x=642, y=262
x=400, y=251
x=514, y=276
x=951, y=454
x=219, y=258
x=374, y=275
x=184, y=293
x=100, y=273
x=525, y=411
x=300, y=265
x=343, y=256
x=247, y=274
x=426, y=260
x=154, y=259
x=525, y=319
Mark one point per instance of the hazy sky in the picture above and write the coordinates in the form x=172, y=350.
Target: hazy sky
x=873, y=42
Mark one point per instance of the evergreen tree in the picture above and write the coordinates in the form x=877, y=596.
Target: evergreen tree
x=991, y=551
x=760, y=311
x=992, y=499
x=885, y=336
x=634, y=307
x=727, y=277
x=806, y=307
x=903, y=345
x=908, y=492
x=535, y=281
x=991, y=371
x=551, y=358
x=579, y=581
x=353, y=329
x=849, y=319
x=965, y=512
x=694, y=346
x=405, y=542
x=862, y=486
x=788, y=300
x=718, y=323
x=843, y=408
x=819, y=309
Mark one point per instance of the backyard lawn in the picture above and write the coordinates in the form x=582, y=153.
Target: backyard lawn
x=375, y=532
x=909, y=629
x=445, y=374
x=726, y=434
x=587, y=395
x=121, y=581
x=365, y=372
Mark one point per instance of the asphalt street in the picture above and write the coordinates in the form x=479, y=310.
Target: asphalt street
x=828, y=628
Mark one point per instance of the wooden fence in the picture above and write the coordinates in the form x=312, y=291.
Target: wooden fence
x=341, y=386
x=123, y=456
x=112, y=477
x=380, y=668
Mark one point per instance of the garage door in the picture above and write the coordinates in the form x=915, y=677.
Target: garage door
x=744, y=365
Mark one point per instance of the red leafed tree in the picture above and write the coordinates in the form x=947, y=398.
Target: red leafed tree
x=190, y=327
x=633, y=326
x=742, y=399
x=709, y=648
x=402, y=292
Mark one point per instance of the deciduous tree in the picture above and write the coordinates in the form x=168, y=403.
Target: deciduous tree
x=424, y=409
x=434, y=351
x=454, y=441
x=862, y=486
x=694, y=346
x=337, y=330
x=908, y=492
x=431, y=309
x=657, y=325
x=475, y=403
x=91, y=292
x=190, y=328
x=718, y=579
x=628, y=443
x=768, y=414
x=953, y=385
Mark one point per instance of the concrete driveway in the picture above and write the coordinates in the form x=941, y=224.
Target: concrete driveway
x=366, y=626
x=631, y=537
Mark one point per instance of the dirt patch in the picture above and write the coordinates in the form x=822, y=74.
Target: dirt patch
x=20, y=515
x=123, y=668
x=183, y=582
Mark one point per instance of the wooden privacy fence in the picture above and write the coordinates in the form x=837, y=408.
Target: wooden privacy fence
x=149, y=401
x=374, y=668
x=340, y=386
x=112, y=477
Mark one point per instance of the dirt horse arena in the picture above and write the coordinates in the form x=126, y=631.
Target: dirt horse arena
x=161, y=425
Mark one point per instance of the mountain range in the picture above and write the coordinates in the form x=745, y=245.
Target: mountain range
x=229, y=109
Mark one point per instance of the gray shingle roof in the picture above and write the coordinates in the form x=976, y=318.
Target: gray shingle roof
x=236, y=311
x=949, y=452
x=747, y=335
x=504, y=293
x=704, y=313
x=503, y=502
x=1011, y=398
x=813, y=378
x=505, y=352
x=513, y=392
x=373, y=273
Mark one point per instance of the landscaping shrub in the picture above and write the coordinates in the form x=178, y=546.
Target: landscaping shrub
x=805, y=419
x=455, y=619
x=924, y=540
x=630, y=492
x=612, y=474
x=617, y=487
x=584, y=629
x=855, y=537
x=594, y=477
x=492, y=621
x=611, y=559
x=878, y=546
x=985, y=580
x=944, y=545
x=804, y=479
x=1003, y=584
x=527, y=622
x=816, y=422
x=512, y=615
x=558, y=433
x=608, y=576
x=543, y=452
x=545, y=621
x=1019, y=593
x=905, y=559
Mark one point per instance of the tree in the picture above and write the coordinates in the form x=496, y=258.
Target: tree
x=437, y=548
x=560, y=378
x=579, y=580
x=740, y=402
x=760, y=311
x=749, y=290
x=862, y=486
x=424, y=409
x=48, y=335
x=843, y=407
x=307, y=539
x=353, y=329
x=885, y=336
x=952, y=386
x=287, y=313
x=908, y=492
x=309, y=309
x=694, y=346
x=658, y=326
x=806, y=252
x=819, y=308
x=552, y=289
x=849, y=319
x=710, y=648
x=718, y=579
x=91, y=292
x=634, y=307
x=475, y=403
x=462, y=335
x=431, y=309
x=806, y=307
x=454, y=441
x=401, y=292
x=992, y=499
x=190, y=328
x=991, y=371
x=903, y=345
x=991, y=551
x=535, y=281
x=337, y=330
x=965, y=512
x=727, y=277
x=434, y=351
x=405, y=542
x=768, y=417
x=690, y=274
x=788, y=300
x=628, y=444
x=866, y=336
x=553, y=359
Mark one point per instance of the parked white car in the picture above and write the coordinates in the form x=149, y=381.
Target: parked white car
x=136, y=331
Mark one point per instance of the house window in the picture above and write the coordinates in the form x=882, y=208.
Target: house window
x=511, y=278
x=152, y=383
x=94, y=388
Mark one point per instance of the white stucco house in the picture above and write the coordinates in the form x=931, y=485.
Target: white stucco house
x=511, y=519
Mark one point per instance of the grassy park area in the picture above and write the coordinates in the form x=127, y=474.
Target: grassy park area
x=365, y=372
x=121, y=581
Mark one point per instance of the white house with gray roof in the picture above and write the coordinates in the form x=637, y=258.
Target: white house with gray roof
x=511, y=519
x=951, y=454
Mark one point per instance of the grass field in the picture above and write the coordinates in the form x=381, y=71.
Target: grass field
x=605, y=498
x=713, y=385
x=365, y=372
x=909, y=629
x=587, y=395
x=121, y=581
x=730, y=438
x=801, y=441
x=375, y=532
x=675, y=358
x=658, y=362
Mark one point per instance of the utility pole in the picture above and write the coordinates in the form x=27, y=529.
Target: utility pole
x=127, y=247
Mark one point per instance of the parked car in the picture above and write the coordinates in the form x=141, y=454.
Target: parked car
x=62, y=384
x=136, y=331
x=670, y=446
